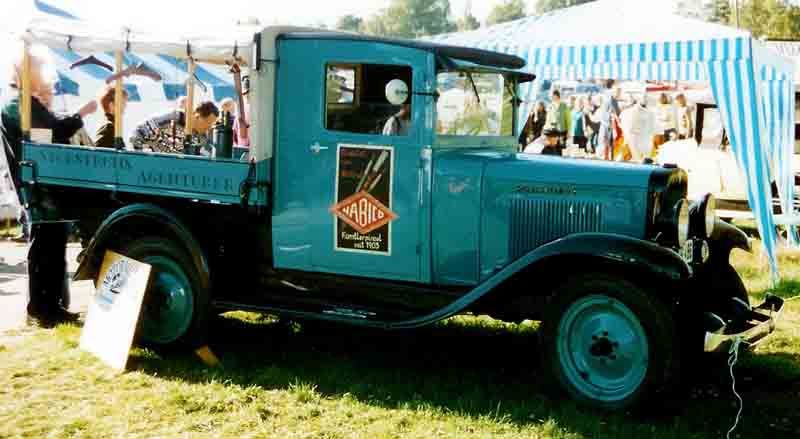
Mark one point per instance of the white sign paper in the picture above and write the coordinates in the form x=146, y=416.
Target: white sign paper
x=114, y=309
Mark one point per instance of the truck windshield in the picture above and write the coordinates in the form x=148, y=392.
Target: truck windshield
x=474, y=104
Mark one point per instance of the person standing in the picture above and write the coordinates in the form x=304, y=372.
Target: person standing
x=609, y=121
x=638, y=127
x=666, y=121
x=534, y=125
x=684, y=116
x=48, y=284
x=593, y=120
x=578, y=124
x=558, y=117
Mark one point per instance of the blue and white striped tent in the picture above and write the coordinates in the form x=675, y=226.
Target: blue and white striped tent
x=147, y=97
x=173, y=70
x=643, y=40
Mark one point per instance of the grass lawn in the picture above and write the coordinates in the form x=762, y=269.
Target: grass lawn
x=467, y=377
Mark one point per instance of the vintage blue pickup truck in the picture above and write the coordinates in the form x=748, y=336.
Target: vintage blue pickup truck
x=384, y=188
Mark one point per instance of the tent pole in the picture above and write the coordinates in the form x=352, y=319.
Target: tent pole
x=118, y=142
x=189, y=110
x=25, y=98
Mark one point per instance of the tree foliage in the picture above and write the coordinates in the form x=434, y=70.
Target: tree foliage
x=468, y=22
x=350, y=23
x=719, y=11
x=543, y=6
x=509, y=10
x=412, y=19
x=769, y=18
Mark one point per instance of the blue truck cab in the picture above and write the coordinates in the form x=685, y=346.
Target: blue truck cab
x=384, y=188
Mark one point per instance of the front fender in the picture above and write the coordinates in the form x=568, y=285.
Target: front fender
x=135, y=217
x=728, y=236
x=643, y=256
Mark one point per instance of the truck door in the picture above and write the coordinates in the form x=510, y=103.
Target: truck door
x=362, y=187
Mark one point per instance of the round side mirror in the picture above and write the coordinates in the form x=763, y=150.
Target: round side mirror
x=396, y=92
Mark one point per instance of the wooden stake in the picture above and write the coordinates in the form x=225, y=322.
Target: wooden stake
x=190, y=99
x=25, y=98
x=207, y=356
x=118, y=142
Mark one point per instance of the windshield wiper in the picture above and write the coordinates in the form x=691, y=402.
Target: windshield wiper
x=514, y=97
x=474, y=87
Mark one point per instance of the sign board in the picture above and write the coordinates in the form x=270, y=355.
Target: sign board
x=363, y=208
x=114, y=309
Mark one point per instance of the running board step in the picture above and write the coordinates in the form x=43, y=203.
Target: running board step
x=344, y=314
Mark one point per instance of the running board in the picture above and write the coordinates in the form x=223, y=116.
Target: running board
x=333, y=314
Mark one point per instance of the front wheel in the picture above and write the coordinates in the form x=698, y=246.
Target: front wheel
x=176, y=305
x=609, y=343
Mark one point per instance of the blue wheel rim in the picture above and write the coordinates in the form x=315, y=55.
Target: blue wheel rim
x=169, y=302
x=602, y=348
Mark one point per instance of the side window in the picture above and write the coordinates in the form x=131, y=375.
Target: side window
x=340, y=86
x=357, y=99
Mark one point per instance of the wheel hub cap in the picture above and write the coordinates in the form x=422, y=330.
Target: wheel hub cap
x=169, y=303
x=602, y=348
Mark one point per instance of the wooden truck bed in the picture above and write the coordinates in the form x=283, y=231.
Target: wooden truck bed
x=170, y=175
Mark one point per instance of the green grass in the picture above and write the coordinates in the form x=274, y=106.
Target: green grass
x=469, y=377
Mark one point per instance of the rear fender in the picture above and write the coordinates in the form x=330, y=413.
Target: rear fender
x=138, y=218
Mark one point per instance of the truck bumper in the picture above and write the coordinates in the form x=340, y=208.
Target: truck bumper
x=758, y=324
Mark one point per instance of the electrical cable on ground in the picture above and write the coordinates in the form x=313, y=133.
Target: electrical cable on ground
x=734, y=357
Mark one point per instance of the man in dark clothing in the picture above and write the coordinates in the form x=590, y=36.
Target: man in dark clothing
x=48, y=285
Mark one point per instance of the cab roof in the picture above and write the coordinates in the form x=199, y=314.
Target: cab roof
x=475, y=56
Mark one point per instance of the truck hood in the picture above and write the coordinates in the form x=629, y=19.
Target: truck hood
x=522, y=201
x=550, y=169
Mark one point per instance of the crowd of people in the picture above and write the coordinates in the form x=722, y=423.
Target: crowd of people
x=606, y=127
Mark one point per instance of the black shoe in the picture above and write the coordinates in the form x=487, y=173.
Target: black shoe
x=39, y=321
x=51, y=319
x=64, y=316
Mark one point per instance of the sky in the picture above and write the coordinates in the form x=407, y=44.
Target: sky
x=209, y=12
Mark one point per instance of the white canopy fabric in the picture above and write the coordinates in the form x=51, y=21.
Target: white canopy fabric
x=60, y=30
x=51, y=26
x=643, y=40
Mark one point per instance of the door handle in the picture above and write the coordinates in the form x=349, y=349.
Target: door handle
x=316, y=148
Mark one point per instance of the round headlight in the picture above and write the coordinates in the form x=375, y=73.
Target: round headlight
x=710, y=214
x=682, y=222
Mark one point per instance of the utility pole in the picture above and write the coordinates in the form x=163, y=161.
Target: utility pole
x=736, y=12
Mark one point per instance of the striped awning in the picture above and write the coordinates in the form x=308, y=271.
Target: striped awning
x=640, y=40
x=89, y=79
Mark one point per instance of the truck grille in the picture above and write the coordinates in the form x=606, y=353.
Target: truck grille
x=536, y=221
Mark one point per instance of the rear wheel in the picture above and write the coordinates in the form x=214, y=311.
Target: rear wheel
x=176, y=305
x=609, y=343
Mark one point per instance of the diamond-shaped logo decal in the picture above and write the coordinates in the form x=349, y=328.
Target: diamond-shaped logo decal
x=363, y=212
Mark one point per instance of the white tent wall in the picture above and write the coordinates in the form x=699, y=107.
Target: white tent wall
x=630, y=40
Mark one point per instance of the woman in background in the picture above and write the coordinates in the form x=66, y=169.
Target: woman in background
x=534, y=125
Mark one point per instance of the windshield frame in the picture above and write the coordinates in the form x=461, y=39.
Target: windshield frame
x=481, y=141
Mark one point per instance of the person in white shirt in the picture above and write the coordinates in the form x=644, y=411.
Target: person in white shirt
x=398, y=124
x=638, y=127
x=684, y=117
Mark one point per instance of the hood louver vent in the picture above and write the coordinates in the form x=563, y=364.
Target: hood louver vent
x=535, y=222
